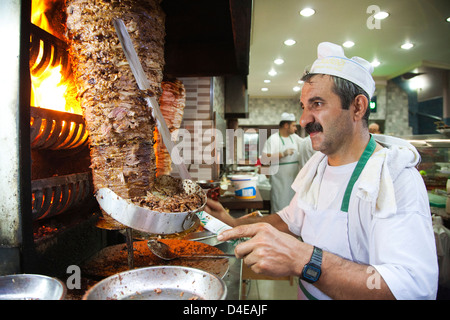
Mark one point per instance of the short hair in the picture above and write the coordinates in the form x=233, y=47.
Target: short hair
x=346, y=90
x=283, y=122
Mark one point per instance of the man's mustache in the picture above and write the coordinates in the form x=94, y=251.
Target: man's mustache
x=313, y=127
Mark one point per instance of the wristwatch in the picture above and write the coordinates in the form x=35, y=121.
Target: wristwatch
x=312, y=270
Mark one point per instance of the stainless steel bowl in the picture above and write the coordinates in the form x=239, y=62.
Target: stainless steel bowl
x=147, y=220
x=31, y=287
x=159, y=283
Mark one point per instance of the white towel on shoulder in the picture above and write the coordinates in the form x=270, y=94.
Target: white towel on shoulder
x=375, y=182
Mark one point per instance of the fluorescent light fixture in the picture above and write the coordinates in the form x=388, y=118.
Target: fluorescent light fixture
x=267, y=81
x=296, y=88
x=407, y=46
x=307, y=12
x=381, y=15
x=375, y=63
x=348, y=44
x=278, y=61
x=290, y=42
x=272, y=73
x=264, y=89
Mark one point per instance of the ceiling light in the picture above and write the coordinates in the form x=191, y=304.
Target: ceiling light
x=407, y=46
x=307, y=12
x=272, y=73
x=264, y=89
x=296, y=88
x=290, y=42
x=279, y=61
x=416, y=83
x=267, y=81
x=381, y=15
x=348, y=44
x=375, y=63
x=448, y=19
x=300, y=81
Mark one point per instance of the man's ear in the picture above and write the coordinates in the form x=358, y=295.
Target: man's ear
x=360, y=105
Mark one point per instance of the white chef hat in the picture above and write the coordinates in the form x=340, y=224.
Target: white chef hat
x=332, y=60
x=287, y=116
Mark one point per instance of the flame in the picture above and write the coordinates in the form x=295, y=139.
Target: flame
x=50, y=89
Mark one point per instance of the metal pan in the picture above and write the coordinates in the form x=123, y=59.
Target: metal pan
x=146, y=220
x=31, y=287
x=159, y=283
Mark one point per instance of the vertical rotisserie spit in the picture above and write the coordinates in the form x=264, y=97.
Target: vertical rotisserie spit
x=118, y=119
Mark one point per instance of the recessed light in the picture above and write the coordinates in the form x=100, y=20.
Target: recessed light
x=307, y=12
x=264, y=89
x=381, y=15
x=448, y=19
x=296, y=88
x=300, y=81
x=267, y=81
x=290, y=42
x=407, y=46
x=348, y=44
x=375, y=63
x=272, y=73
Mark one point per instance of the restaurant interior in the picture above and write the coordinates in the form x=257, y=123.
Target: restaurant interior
x=238, y=66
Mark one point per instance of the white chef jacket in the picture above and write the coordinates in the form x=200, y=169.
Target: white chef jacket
x=388, y=224
x=283, y=172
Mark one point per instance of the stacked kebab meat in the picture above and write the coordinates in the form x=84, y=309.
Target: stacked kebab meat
x=120, y=124
x=172, y=103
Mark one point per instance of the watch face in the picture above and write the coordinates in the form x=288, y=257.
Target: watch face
x=311, y=273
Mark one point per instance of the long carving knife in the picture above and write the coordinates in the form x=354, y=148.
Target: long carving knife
x=144, y=85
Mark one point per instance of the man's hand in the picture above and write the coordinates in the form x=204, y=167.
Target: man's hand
x=216, y=209
x=269, y=251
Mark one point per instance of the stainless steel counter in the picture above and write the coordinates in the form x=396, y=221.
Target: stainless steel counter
x=234, y=275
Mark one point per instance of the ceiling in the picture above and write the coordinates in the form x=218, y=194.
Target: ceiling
x=422, y=22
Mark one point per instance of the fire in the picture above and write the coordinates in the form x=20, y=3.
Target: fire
x=51, y=89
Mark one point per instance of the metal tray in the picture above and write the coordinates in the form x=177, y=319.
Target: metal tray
x=159, y=283
x=31, y=287
x=147, y=220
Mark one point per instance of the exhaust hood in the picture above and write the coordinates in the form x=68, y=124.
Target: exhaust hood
x=236, y=97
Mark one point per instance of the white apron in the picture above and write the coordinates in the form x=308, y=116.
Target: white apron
x=328, y=229
x=282, y=176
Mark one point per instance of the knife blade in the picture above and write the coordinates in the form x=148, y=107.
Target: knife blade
x=144, y=84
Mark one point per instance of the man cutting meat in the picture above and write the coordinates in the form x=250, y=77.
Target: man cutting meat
x=360, y=207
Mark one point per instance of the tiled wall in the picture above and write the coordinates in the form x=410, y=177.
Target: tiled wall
x=397, y=122
x=204, y=95
x=267, y=111
x=392, y=107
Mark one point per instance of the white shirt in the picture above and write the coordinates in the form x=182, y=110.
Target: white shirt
x=395, y=238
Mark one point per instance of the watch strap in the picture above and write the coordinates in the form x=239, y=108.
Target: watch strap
x=316, y=257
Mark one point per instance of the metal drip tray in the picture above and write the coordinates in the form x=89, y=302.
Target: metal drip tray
x=55, y=195
x=56, y=130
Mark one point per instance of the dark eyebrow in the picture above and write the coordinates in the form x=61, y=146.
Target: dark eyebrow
x=315, y=99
